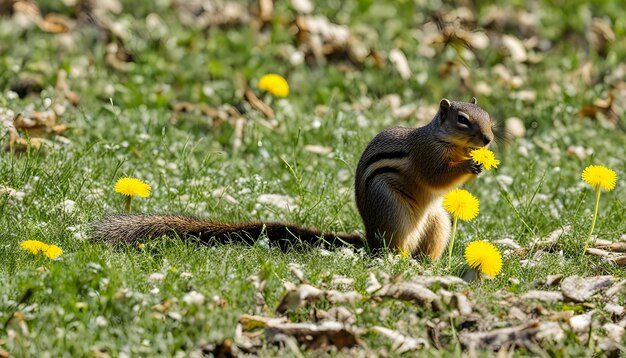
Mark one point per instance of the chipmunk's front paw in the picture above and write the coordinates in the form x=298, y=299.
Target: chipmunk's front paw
x=476, y=168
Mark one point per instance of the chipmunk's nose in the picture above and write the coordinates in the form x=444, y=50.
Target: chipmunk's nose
x=487, y=139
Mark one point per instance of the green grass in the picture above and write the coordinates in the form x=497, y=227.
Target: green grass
x=98, y=297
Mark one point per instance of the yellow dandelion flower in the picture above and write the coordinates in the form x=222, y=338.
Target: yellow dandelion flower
x=53, y=251
x=485, y=157
x=599, y=176
x=34, y=246
x=462, y=204
x=132, y=187
x=274, y=84
x=485, y=257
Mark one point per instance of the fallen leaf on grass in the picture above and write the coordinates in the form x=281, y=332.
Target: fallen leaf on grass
x=398, y=59
x=223, y=349
x=318, y=149
x=401, y=343
x=322, y=40
x=305, y=293
x=543, y=296
x=250, y=322
x=614, y=246
x=581, y=289
x=412, y=292
x=258, y=104
x=204, y=14
x=552, y=280
x=620, y=261
x=316, y=336
x=443, y=281
x=462, y=304
x=371, y=283
x=334, y=296
x=337, y=314
x=163, y=307
x=526, y=336
x=298, y=297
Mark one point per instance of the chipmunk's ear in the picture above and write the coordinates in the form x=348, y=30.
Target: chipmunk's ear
x=473, y=100
x=444, y=106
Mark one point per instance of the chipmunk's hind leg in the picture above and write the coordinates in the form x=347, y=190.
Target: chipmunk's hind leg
x=436, y=234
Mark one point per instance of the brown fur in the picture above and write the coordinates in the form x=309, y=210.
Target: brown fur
x=132, y=227
x=399, y=184
x=404, y=173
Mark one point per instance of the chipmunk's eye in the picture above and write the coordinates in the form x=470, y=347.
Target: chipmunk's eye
x=463, y=120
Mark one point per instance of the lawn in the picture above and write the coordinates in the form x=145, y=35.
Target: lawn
x=168, y=93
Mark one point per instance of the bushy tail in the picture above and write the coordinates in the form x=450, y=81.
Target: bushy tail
x=135, y=227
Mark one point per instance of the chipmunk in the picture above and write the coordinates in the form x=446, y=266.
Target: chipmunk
x=399, y=186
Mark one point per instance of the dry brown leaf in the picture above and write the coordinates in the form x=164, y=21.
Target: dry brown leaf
x=552, y=280
x=526, y=335
x=250, y=322
x=63, y=87
x=443, y=281
x=302, y=6
x=398, y=59
x=334, y=296
x=620, y=261
x=613, y=247
x=543, y=296
x=52, y=22
x=462, y=304
x=55, y=23
x=321, y=40
x=515, y=47
x=371, y=284
x=265, y=10
x=316, y=336
x=401, y=343
x=318, y=149
x=612, y=292
x=163, y=307
x=581, y=289
x=298, y=297
x=259, y=282
x=412, y=292
x=223, y=349
x=337, y=313
x=600, y=34
x=202, y=14
x=257, y=104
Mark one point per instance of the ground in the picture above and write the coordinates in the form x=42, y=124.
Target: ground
x=169, y=94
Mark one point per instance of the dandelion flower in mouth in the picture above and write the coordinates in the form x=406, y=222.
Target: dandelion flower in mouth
x=600, y=177
x=485, y=257
x=132, y=187
x=274, y=84
x=462, y=204
x=485, y=157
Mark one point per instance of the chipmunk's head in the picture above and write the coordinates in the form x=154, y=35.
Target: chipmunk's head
x=464, y=124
